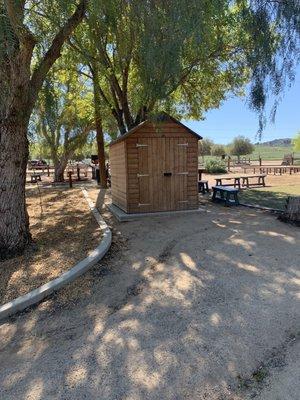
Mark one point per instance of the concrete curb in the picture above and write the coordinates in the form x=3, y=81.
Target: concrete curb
x=257, y=207
x=36, y=295
x=122, y=216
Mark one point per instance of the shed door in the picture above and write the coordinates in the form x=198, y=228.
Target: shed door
x=176, y=162
x=162, y=176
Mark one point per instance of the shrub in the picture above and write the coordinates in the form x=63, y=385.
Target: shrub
x=205, y=146
x=215, y=167
x=241, y=146
x=296, y=142
x=218, y=150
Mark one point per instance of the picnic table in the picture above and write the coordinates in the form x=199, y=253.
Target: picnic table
x=260, y=180
x=201, y=170
x=203, y=187
x=238, y=181
x=228, y=195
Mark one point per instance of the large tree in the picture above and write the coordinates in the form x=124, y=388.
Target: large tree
x=241, y=146
x=179, y=56
x=274, y=29
x=186, y=56
x=25, y=59
x=183, y=56
x=63, y=118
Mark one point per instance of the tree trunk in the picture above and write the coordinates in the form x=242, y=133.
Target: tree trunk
x=101, y=156
x=19, y=91
x=59, y=170
x=14, y=221
x=292, y=210
x=99, y=131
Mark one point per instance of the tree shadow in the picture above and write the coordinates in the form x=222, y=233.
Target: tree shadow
x=265, y=198
x=181, y=308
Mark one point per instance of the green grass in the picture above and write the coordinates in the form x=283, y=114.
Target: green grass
x=273, y=197
x=267, y=153
x=272, y=153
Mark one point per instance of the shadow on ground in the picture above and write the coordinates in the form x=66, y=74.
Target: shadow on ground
x=185, y=307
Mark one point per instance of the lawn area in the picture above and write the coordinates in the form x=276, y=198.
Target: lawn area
x=272, y=152
x=267, y=153
x=273, y=197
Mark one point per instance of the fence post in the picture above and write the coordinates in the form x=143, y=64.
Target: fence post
x=259, y=159
x=228, y=163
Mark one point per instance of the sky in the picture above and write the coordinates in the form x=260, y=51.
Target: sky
x=234, y=118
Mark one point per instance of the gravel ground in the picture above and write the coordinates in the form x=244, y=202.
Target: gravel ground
x=198, y=306
x=64, y=231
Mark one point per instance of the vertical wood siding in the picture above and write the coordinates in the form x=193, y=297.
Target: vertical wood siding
x=148, y=153
x=118, y=170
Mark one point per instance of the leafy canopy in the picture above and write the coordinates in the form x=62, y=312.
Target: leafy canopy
x=182, y=57
x=218, y=150
x=63, y=116
x=296, y=142
x=205, y=146
x=241, y=146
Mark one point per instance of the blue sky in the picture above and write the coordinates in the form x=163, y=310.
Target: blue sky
x=235, y=118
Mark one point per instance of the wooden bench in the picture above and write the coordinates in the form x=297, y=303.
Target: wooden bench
x=35, y=177
x=236, y=181
x=260, y=180
x=203, y=187
x=200, y=172
x=224, y=194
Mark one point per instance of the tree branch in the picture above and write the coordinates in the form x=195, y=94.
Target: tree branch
x=54, y=50
x=15, y=13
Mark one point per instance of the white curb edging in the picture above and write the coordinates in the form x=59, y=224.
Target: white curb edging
x=36, y=295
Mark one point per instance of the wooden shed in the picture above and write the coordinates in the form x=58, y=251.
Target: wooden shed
x=154, y=167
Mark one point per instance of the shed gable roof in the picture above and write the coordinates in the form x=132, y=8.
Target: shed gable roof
x=163, y=117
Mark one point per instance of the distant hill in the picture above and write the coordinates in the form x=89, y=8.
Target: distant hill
x=277, y=143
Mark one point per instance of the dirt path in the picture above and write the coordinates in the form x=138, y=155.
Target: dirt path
x=186, y=307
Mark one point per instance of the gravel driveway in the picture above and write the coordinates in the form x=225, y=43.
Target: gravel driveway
x=197, y=306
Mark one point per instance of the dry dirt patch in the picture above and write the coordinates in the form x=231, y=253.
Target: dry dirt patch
x=63, y=230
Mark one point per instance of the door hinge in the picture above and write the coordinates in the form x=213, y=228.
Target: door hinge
x=141, y=175
x=183, y=144
x=183, y=201
x=144, y=204
x=141, y=145
x=182, y=173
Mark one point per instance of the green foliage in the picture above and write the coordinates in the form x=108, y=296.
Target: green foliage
x=185, y=57
x=273, y=28
x=39, y=150
x=215, y=167
x=27, y=32
x=241, y=146
x=296, y=142
x=63, y=119
x=191, y=65
x=218, y=150
x=205, y=147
